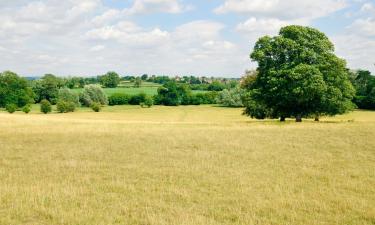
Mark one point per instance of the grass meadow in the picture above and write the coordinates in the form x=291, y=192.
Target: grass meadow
x=185, y=165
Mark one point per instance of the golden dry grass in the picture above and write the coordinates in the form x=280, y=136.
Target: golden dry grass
x=185, y=165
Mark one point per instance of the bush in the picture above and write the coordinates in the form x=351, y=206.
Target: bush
x=96, y=107
x=119, y=99
x=231, y=98
x=148, y=102
x=65, y=107
x=45, y=106
x=11, y=108
x=67, y=95
x=93, y=93
x=26, y=109
x=137, y=99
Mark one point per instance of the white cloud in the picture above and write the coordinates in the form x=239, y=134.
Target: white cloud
x=285, y=9
x=153, y=6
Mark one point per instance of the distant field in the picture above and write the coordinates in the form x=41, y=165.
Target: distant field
x=193, y=165
x=128, y=88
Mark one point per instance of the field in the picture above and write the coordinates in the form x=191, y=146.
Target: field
x=185, y=165
x=147, y=88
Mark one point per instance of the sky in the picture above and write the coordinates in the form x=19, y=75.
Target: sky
x=169, y=37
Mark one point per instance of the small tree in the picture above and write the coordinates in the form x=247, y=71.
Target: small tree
x=93, y=93
x=96, y=107
x=231, y=98
x=45, y=106
x=67, y=95
x=137, y=82
x=110, y=80
x=26, y=109
x=147, y=102
x=11, y=108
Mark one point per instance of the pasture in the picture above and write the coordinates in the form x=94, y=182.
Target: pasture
x=185, y=165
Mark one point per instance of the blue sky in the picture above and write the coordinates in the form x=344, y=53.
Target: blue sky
x=171, y=37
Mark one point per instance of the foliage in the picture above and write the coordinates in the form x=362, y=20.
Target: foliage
x=231, y=98
x=364, y=84
x=173, y=94
x=93, y=93
x=96, y=107
x=216, y=86
x=11, y=108
x=68, y=96
x=148, y=101
x=119, y=99
x=137, y=99
x=45, y=106
x=299, y=76
x=65, y=106
x=137, y=82
x=14, y=90
x=110, y=80
x=204, y=98
x=47, y=88
x=26, y=109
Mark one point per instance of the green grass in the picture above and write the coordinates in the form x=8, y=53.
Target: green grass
x=130, y=90
x=185, y=165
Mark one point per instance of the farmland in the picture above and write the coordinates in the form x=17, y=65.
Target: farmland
x=185, y=165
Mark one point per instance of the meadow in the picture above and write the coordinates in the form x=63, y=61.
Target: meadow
x=185, y=165
x=147, y=88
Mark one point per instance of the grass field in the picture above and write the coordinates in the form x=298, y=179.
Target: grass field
x=185, y=165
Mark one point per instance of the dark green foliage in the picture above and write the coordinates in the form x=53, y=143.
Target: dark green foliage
x=47, y=88
x=137, y=99
x=216, y=86
x=364, y=84
x=26, y=109
x=205, y=98
x=148, y=102
x=173, y=94
x=298, y=76
x=65, y=106
x=11, y=108
x=110, y=80
x=93, y=93
x=95, y=106
x=14, y=90
x=119, y=99
x=45, y=106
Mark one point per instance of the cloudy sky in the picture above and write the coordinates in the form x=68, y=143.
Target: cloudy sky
x=173, y=37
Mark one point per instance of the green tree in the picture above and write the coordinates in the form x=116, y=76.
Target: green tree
x=137, y=82
x=173, y=94
x=93, y=93
x=14, y=90
x=298, y=76
x=45, y=106
x=67, y=95
x=231, y=98
x=110, y=80
x=47, y=88
x=364, y=84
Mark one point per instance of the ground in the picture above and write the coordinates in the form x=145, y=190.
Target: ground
x=185, y=165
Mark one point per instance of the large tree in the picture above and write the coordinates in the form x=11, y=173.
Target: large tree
x=14, y=90
x=48, y=88
x=298, y=76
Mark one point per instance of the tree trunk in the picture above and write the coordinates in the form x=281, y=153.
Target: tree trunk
x=298, y=118
x=316, y=118
x=282, y=119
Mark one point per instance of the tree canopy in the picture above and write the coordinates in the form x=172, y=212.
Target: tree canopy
x=14, y=90
x=298, y=75
x=110, y=80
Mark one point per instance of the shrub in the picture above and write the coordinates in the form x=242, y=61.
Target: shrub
x=65, y=107
x=45, y=106
x=93, y=93
x=231, y=98
x=147, y=102
x=119, y=99
x=11, y=108
x=96, y=107
x=26, y=109
x=137, y=99
x=67, y=95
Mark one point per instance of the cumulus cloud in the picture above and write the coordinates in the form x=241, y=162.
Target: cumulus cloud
x=152, y=6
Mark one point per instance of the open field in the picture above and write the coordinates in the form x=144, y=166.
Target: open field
x=185, y=165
